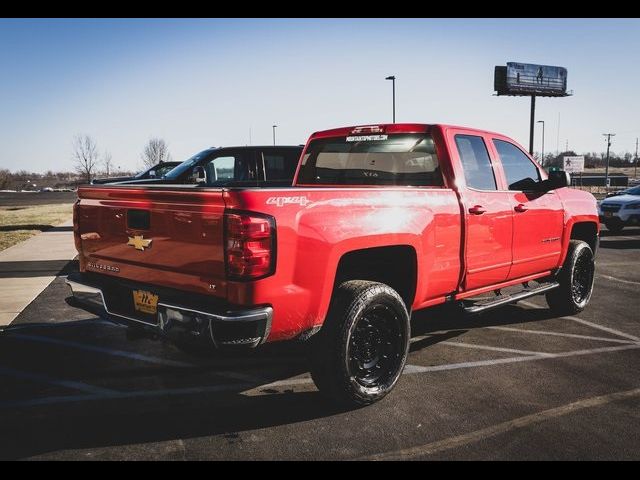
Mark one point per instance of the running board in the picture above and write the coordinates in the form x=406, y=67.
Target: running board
x=506, y=299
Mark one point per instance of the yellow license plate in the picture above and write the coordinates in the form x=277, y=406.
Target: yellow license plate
x=145, y=302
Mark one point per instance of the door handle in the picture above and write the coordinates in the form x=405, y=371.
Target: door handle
x=477, y=210
x=520, y=208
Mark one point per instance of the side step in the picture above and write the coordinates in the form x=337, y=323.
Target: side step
x=506, y=299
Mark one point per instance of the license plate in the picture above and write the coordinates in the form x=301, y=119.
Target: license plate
x=145, y=302
x=608, y=214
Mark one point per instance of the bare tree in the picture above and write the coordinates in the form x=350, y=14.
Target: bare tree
x=107, y=162
x=85, y=155
x=156, y=151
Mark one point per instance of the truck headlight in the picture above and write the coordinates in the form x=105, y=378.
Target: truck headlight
x=633, y=206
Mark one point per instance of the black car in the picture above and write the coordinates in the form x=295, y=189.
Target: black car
x=157, y=171
x=223, y=166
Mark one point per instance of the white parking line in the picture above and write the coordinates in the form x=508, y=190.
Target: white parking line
x=609, y=277
x=113, y=395
x=559, y=334
x=41, y=378
x=493, y=349
x=133, y=356
x=240, y=387
x=498, y=361
x=500, y=428
x=590, y=324
x=96, y=349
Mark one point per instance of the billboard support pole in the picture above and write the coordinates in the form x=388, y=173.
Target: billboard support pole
x=533, y=122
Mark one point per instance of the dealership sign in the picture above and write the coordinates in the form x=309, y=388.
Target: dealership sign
x=573, y=164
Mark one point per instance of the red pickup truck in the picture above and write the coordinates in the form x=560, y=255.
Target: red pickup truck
x=381, y=220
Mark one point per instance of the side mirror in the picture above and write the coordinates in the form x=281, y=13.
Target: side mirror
x=558, y=179
x=199, y=175
x=152, y=174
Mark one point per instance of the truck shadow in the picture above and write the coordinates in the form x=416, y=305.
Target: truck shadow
x=158, y=403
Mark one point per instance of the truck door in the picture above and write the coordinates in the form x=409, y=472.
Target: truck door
x=538, y=217
x=487, y=211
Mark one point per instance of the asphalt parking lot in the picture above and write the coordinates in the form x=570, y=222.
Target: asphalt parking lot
x=512, y=384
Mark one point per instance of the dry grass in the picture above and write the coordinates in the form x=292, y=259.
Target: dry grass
x=19, y=223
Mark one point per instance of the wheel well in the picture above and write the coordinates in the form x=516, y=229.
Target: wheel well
x=395, y=266
x=587, y=232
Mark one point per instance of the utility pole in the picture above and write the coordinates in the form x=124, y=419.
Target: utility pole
x=393, y=81
x=606, y=171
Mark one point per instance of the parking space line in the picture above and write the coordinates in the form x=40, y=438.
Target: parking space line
x=240, y=387
x=504, y=427
x=560, y=334
x=113, y=395
x=40, y=378
x=604, y=329
x=104, y=350
x=498, y=361
x=609, y=277
x=590, y=324
x=134, y=356
x=493, y=349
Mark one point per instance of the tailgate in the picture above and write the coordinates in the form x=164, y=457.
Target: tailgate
x=165, y=236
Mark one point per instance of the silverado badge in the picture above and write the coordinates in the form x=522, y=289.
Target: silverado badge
x=139, y=242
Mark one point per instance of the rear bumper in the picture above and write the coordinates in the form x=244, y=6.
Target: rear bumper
x=224, y=326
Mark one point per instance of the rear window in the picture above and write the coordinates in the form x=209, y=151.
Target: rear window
x=406, y=160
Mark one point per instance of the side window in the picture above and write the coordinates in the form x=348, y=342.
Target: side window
x=475, y=162
x=220, y=169
x=520, y=171
x=280, y=166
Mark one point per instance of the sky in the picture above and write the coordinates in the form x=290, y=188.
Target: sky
x=218, y=82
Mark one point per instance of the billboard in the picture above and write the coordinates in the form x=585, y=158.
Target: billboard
x=573, y=164
x=530, y=79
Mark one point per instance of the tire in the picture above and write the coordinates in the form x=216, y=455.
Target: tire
x=614, y=226
x=359, y=354
x=576, y=280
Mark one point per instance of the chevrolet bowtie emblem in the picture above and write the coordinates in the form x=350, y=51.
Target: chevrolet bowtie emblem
x=139, y=242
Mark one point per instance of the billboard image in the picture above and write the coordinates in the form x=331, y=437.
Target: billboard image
x=531, y=79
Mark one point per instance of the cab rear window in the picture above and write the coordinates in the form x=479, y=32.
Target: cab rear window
x=403, y=160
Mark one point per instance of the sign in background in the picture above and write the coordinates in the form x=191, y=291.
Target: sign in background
x=573, y=164
x=530, y=79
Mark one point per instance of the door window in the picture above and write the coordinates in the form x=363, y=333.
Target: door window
x=520, y=171
x=478, y=172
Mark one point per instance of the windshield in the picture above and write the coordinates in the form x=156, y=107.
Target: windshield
x=185, y=166
x=406, y=159
x=633, y=191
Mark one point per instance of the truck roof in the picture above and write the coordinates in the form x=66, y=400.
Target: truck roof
x=250, y=147
x=391, y=128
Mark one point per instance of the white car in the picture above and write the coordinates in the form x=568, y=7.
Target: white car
x=619, y=211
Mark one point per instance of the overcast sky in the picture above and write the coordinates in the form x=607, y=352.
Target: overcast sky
x=200, y=83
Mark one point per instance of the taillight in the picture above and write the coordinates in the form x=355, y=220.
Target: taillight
x=249, y=245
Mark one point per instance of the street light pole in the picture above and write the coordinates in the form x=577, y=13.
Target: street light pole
x=393, y=86
x=606, y=171
x=542, y=157
x=274, y=134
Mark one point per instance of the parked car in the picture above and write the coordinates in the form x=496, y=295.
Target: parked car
x=622, y=210
x=157, y=171
x=381, y=221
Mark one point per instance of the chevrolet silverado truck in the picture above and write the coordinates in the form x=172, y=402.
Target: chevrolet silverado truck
x=381, y=221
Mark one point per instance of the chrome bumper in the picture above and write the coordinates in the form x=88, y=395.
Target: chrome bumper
x=219, y=326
